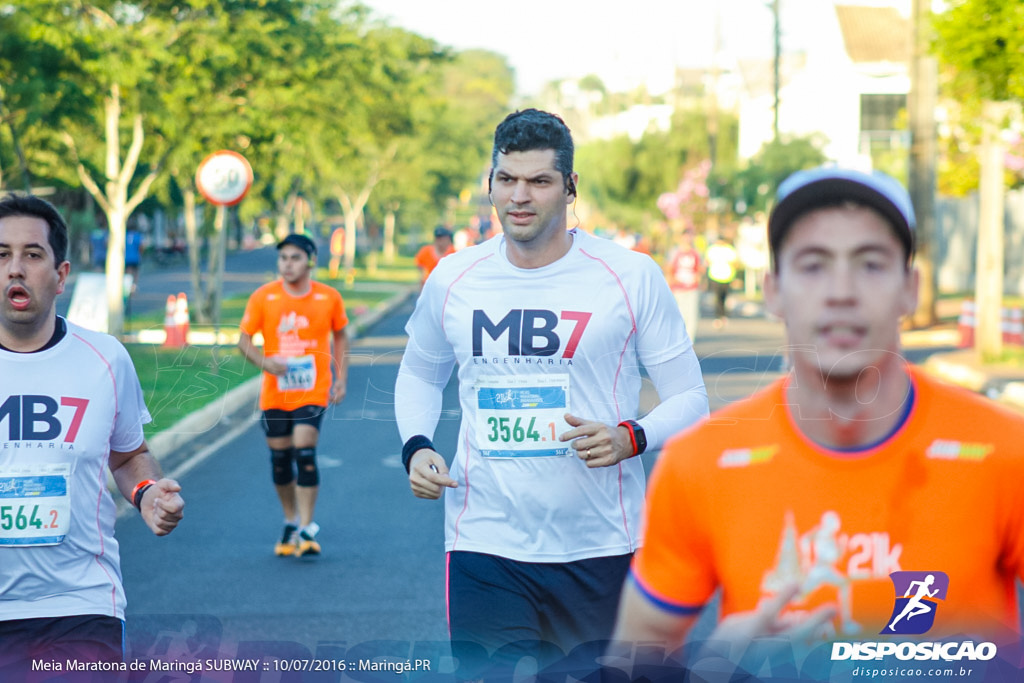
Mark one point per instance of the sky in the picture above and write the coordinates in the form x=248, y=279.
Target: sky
x=626, y=44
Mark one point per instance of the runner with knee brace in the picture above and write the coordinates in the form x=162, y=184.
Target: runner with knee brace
x=304, y=368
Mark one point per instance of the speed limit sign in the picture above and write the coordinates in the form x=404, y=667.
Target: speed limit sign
x=224, y=178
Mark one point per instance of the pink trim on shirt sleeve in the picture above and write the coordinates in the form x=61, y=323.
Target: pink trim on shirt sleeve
x=448, y=292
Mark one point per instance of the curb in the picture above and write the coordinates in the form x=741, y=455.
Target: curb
x=196, y=424
x=1004, y=388
x=1013, y=394
x=957, y=373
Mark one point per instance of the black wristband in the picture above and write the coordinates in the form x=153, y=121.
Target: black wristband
x=636, y=435
x=140, y=491
x=411, y=446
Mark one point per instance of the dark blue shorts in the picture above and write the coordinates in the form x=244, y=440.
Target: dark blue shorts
x=282, y=422
x=501, y=610
x=88, y=638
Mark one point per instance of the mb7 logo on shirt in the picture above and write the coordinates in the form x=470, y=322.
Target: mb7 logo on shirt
x=917, y=594
x=530, y=331
x=32, y=417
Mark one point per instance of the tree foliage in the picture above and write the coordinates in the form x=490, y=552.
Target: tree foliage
x=980, y=46
x=983, y=41
x=752, y=188
x=124, y=99
x=624, y=177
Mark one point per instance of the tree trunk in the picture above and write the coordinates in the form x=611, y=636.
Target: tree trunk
x=389, y=237
x=116, y=219
x=351, y=225
x=353, y=211
x=192, y=241
x=300, y=215
x=283, y=219
x=218, y=253
x=989, y=284
x=921, y=105
x=114, y=198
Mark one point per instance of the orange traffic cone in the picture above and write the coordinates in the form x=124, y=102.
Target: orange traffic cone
x=181, y=320
x=966, y=324
x=170, y=330
x=1016, y=331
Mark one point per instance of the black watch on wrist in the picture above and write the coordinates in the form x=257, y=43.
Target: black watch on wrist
x=636, y=435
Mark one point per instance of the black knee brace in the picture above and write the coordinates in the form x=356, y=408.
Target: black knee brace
x=282, y=465
x=309, y=475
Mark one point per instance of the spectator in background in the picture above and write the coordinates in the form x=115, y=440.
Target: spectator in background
x=722, y=261
x=684, y=272
x=429, y=255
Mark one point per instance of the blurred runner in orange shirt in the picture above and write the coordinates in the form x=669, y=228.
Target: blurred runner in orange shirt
x=429, y=255
x=304, y=368
x=817, y=503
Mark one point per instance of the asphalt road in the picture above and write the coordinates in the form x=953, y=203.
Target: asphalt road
x=381, y=575
x=214, y=589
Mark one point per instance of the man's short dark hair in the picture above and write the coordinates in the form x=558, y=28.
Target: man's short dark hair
x=531, y=129
x=35, y=207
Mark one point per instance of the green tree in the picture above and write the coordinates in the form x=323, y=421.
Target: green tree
x=127, y=53
x=450, y=150
x=39, y=92
x=239, y=67
x=624, y=178
x=982, y=44
x=754, y=186
x=365, y=118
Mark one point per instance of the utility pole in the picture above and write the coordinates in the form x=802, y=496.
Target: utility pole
x=713, y=217
x=921, y=110
x=989, y=278
x=713, y=91
x=775, y=70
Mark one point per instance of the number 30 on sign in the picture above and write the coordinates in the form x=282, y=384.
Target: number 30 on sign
x=224, y=178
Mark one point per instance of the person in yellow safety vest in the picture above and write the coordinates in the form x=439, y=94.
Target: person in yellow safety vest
x=721, y=260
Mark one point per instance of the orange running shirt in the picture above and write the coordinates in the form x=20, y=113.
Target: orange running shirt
x=746, y=503
x=297, y=328
x=427, y=258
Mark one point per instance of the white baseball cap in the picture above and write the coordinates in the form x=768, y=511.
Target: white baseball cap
x=830, y=185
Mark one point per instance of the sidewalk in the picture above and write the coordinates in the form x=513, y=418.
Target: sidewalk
x=963, y=367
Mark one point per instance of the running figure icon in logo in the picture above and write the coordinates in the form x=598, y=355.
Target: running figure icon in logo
x=916, y=597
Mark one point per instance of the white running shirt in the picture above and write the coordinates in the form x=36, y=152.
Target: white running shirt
x=61, y=412
x=532, y=345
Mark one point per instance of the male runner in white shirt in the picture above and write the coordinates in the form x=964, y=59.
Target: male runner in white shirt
x=549, y=328
x=70, y=409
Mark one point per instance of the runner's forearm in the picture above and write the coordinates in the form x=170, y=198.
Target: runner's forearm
x=684, y=399
x=418, y=393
